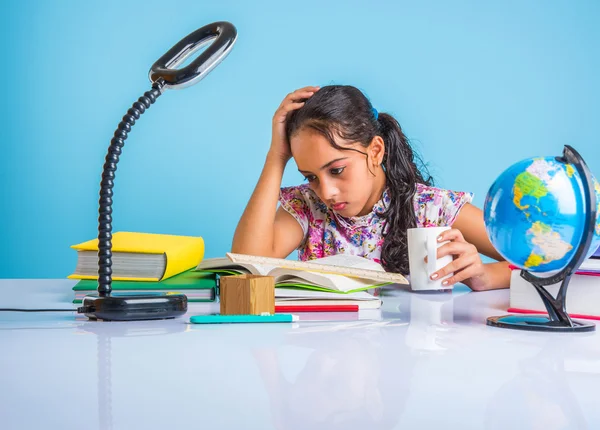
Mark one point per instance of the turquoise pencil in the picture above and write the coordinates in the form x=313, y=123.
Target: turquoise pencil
x=227, y=319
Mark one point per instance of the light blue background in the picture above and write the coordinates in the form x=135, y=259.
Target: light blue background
x=476, y=86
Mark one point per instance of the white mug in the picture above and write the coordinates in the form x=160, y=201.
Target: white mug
x=423, y=242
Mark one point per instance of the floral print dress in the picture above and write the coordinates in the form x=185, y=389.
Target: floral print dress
x=328, y=233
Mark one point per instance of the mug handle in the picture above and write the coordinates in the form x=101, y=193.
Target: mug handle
x=431, y=248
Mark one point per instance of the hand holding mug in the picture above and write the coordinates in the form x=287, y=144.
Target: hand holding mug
x=466, y=265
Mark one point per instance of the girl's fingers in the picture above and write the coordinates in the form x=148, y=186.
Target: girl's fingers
x=294, y=100
x=309, y=88
x=456, y=248
x=282, y=112
x=466, y=264
x=297, y=95
x=290, y=103
x=467, y=273
x=452, y=234
x=284, y=109
x=301, y=93
x=455, y=266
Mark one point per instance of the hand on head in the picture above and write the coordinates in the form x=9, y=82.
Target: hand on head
x=280, y=147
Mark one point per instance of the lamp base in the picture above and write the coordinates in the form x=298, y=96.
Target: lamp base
x=134, y=307
x=538, y=323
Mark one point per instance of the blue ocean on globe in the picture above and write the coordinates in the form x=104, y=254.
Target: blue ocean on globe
x=534, y=214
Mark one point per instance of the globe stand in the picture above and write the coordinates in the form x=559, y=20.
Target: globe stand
x=558, y=319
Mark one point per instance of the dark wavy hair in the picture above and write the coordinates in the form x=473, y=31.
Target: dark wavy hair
x=343, y=111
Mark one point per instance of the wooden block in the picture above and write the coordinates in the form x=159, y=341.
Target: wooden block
x=247, y=295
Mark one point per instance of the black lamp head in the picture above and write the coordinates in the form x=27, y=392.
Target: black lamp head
x=222, y=35
x=163, y=75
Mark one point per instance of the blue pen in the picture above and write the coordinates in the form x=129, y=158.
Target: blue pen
x=224, y=319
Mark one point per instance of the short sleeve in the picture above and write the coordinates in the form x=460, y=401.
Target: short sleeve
x=293, y=200
x=436, y=207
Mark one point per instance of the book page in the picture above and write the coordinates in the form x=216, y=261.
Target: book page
x=224, y=263
x=323, y=280
x=332, y=281
x=300, y=293
x=347, y=260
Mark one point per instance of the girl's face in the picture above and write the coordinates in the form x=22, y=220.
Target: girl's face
x=345, y=180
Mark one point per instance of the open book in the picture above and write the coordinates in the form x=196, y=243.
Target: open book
x=310, y=279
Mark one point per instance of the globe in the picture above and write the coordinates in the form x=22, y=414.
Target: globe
x=534, y=214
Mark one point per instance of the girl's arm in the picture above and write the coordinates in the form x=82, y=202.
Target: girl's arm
x=470, y=222
x=469, y=238
x=263, y=229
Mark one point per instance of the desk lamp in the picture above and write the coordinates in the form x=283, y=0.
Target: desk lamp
x=164, y=75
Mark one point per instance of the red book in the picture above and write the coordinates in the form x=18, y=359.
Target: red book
x=315, y=308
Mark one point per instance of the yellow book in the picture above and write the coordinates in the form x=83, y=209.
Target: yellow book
x=141, y=256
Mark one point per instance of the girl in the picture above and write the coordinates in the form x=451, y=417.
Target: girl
x=364, y=191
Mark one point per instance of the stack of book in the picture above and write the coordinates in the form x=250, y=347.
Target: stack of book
x=146, y=262
x=583, y=292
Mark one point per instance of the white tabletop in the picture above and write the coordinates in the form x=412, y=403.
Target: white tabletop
x=421, y=362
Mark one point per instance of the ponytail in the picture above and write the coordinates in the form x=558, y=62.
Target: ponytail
x=402, y=174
